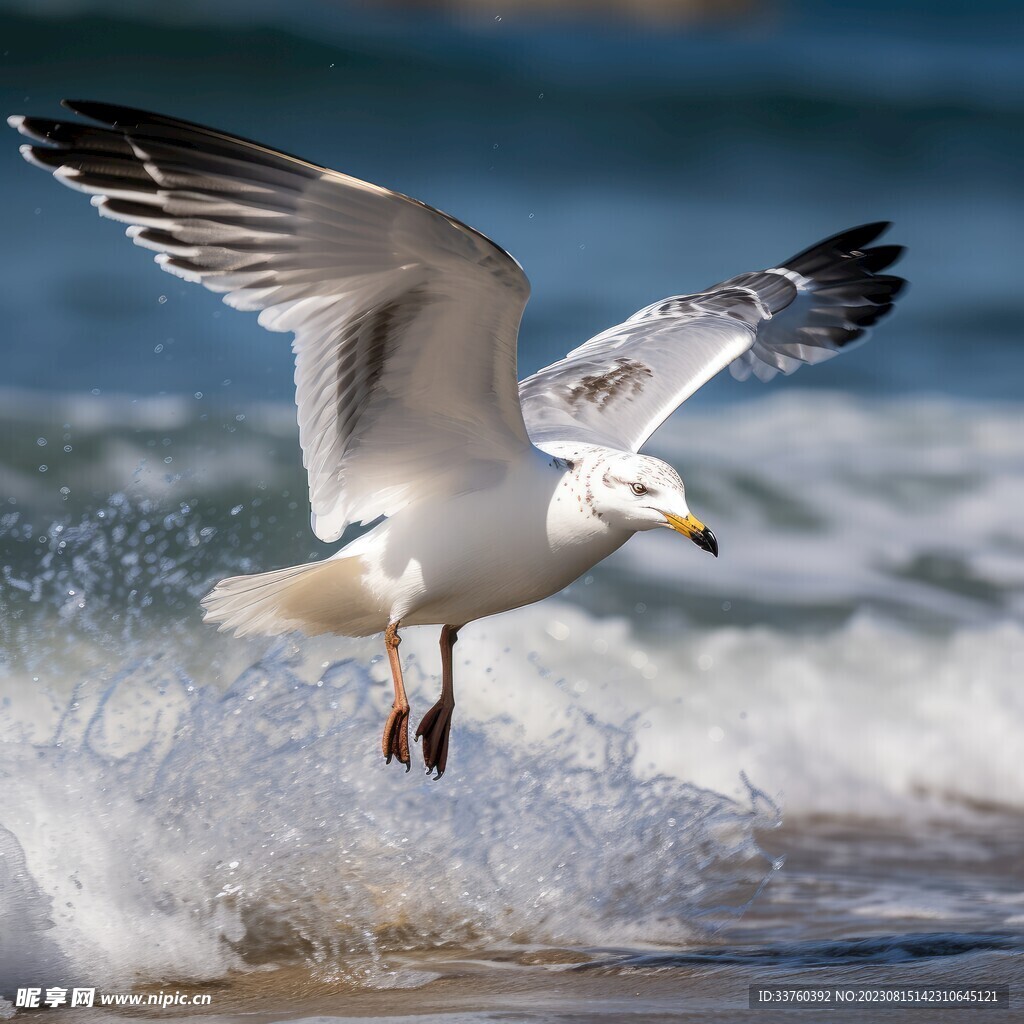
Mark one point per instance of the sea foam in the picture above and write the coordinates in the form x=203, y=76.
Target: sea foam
x=168, y=830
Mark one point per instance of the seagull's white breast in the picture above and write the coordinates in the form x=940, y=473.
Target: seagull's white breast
x=523, y=536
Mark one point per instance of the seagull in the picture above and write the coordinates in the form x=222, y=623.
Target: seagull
x=487, y=493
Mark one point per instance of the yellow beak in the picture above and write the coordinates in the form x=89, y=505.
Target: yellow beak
x=693, y=528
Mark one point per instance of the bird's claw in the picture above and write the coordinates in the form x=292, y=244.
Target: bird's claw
x=435, y=729
x=396, y=736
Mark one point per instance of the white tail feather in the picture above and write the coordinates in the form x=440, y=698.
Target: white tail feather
x=322, y=597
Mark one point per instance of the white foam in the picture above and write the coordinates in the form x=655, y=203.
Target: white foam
x=866, y=719
x=826, y=497
x=167, y=830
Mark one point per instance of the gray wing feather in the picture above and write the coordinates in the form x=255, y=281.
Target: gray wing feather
x=619, y=387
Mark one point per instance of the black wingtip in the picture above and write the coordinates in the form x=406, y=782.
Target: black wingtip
x=134, y=119
x=825, y=259
x=75, y=106
x=880, y=257
x=857, y=237
x=118, y=115
x=112, y=114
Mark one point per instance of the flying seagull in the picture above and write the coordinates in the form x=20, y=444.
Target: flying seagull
x=492, y=493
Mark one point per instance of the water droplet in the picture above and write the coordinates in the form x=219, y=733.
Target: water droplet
x=41, y=441
x=557, y=630
x=162, y=299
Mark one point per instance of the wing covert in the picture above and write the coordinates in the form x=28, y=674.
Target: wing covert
x=619, y=387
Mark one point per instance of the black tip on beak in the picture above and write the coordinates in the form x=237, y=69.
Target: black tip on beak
x=706, y=541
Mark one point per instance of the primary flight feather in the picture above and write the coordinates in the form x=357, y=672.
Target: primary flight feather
x=405, y=320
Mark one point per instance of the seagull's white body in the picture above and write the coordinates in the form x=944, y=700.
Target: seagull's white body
x=487, y=551
x=493, y=493
x=447, y=560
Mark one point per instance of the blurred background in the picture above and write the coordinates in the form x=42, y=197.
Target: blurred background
x=622, y=151
x=856, y=651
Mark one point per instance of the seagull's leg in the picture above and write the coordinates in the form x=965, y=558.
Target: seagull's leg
x=396, y=729
x=437, y=722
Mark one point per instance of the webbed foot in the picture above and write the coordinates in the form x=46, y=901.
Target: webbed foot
x=435, y=729
x=396, y=736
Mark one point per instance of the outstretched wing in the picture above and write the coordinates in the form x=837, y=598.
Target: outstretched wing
x=405, y=320
x=620, y=386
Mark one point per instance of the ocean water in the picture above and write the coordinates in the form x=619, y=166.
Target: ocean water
x=183, y=806
x=797, y=762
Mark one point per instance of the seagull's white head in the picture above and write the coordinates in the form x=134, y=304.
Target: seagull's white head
x=636, y=492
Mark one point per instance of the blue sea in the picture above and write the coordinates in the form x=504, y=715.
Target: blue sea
x=680, y=777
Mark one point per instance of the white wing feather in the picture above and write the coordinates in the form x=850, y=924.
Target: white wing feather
x=405, y=320
x=619, y=387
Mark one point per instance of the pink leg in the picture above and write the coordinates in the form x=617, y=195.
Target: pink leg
x=396, y=731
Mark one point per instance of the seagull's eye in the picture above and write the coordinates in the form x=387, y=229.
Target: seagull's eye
x=638, y=489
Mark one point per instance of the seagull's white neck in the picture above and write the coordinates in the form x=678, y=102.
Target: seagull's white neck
x=574, y=517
